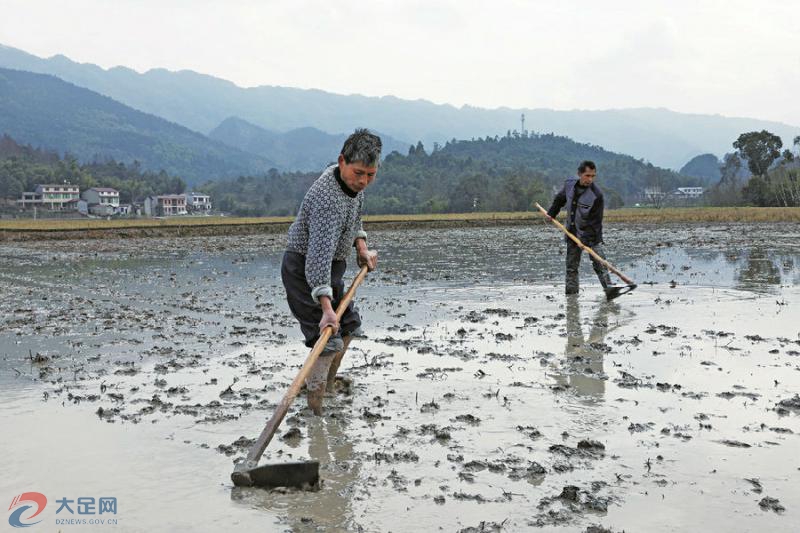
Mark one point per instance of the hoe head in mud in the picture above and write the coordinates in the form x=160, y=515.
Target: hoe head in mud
x=299, y=474
x=616, y=292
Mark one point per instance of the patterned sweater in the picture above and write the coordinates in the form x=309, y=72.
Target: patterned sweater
x=326, y=227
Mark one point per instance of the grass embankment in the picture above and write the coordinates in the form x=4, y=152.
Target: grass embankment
x=704, y=214
x=134, y=223
x=196, y=226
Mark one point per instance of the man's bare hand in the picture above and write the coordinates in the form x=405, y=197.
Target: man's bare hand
x=368, y=258
x=329, y=318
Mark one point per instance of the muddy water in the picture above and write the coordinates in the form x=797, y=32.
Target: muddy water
x=482, y=399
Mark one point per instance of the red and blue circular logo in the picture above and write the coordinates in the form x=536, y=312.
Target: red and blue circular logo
x=22, y=504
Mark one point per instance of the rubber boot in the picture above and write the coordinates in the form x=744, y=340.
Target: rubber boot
x=573, y=263
x=610, y=290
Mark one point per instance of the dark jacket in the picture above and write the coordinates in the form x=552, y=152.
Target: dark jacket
x=587, y=218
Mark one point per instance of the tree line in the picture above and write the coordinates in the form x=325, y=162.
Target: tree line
x=506, y=173
x=774, y=173
x=22, y=167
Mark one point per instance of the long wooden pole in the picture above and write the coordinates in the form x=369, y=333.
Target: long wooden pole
x=269, y=430
x=582, y=246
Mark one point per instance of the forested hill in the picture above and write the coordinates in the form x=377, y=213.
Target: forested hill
x=491, y=174
x=23, y=167
x=500, y=171
x=47, y=112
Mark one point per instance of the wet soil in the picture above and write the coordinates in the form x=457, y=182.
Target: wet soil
x=482, y=398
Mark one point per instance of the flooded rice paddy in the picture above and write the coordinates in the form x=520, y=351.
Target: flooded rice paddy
x=482, y=399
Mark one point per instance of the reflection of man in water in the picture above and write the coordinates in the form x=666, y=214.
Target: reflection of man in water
x=328, y=444
x=584, y=356
x=585, y=205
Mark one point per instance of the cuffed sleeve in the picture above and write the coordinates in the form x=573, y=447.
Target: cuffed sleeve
x=322, y=290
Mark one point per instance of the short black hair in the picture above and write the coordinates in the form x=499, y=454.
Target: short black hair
x=584, y=165
x=364, y=147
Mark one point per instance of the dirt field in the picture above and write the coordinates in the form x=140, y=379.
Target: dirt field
x=482, y=399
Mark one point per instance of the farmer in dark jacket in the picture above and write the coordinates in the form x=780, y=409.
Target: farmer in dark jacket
x=584, y=202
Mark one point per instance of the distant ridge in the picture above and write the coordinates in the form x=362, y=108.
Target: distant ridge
x=47, y=112
x=201, y=103
x=302, y=149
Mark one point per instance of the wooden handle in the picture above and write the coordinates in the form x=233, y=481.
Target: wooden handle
x=283, y=407
x=582, y=246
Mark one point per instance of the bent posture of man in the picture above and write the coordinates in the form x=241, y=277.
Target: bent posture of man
x=327, y=226
x=584, y=202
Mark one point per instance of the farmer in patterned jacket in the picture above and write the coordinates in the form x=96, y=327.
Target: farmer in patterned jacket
x=327, y=226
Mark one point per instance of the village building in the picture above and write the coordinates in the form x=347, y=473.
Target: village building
x=198, y=202
x=99, y=201
x=688, y=193
x=51, y=196
x=165, y=205
x=101, y=196
x=30, y=199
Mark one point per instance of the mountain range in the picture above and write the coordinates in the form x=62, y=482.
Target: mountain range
x=302, y=149
x=47, y=112
x=203, y=103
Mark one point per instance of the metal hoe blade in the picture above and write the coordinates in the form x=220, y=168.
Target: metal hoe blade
x=616, y=292
x=299, y=474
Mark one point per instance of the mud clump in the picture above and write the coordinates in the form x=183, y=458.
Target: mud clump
x=239, y=445
x=569, y=493
x=530, y=431
x=757, y=488
x=591, y=445
x=396, y=457
x=533, y=472
x=468, y=418
x=293, y=435
x=734, y=443
x=484, y=527
x=789, y=404
x=638, y=428
x=429, y=407
x=771, y=504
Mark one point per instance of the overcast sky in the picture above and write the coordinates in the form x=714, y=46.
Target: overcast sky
x=735, y=58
